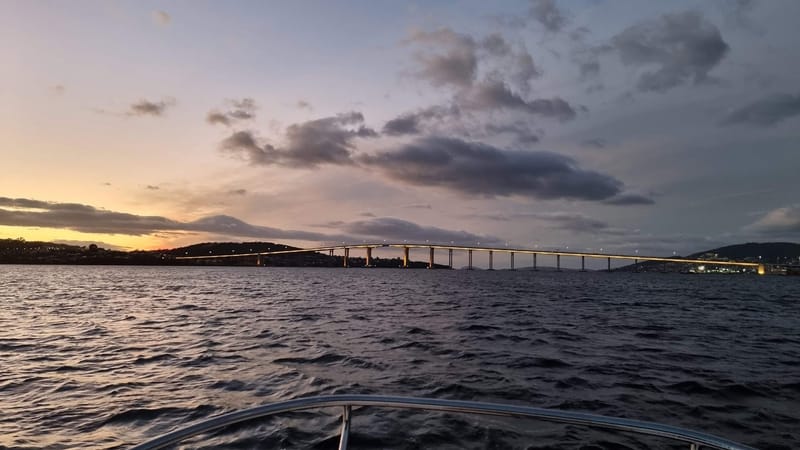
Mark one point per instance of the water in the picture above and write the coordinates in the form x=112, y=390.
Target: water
x=105, y=357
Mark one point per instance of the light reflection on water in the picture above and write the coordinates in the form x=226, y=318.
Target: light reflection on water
x=102, y=357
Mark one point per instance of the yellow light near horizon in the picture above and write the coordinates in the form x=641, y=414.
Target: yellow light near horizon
x=122, y=241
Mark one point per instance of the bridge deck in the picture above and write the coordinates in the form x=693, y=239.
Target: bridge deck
x=480, y=249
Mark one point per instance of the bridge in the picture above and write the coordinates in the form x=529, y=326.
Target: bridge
x=511, y=252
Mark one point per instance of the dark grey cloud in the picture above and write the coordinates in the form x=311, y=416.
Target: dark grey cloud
x=150, y=108
x=765, y=112
x=496, y=45
x=329, y=140
x=522, y=133
x=78, y=217
x=629, y=198
x=524, y=70
x=494, y=94
x=548, y=14
x=685, y=47
x=474, y=168
x=416, y=122
x=455, y=62
x=574, y=222
x=595, y=143
x=393, y=229
x=238, y=110
x=778, y=222
x=88, y=219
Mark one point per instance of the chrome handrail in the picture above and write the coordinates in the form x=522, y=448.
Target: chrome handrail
x=695, y=439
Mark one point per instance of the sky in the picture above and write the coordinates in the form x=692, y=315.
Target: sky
x=657, y=127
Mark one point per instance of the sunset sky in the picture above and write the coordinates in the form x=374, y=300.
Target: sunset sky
x=629, y=125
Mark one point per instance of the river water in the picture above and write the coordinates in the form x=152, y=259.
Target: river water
x=106, y=357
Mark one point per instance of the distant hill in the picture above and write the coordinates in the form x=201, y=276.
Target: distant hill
x=782, y=253
x=768, y=252
x=20, y=251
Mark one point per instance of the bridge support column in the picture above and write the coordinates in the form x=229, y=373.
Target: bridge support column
x=512, y=260
x=635, y=265
x=534, y=262
x=430, y=260
x=558, y=263
x=469, y=259
x=405, y=257
x=259, y=261
x=583, y=264
x=762, y=269
x=368, y=262
x=491, y=260
x=330, y=252
x=450, y=258
x=346, y=258
x=609, y=264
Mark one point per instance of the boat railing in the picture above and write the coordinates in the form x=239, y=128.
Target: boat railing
x=693, y=439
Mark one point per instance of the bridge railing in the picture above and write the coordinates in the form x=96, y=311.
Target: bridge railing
x=693, y=439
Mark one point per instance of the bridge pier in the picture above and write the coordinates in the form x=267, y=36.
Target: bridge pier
x=636, y=265
x=583, y=264
x=609, y=264
x=346, y=257
x=491, y=258
x=330, y=252
x=534, y=262
x=558, y=263
x=450, y=258
x=512, y=260
x=259, y=261
x=430, y=260
x=405, y=257
x=469, y=259
x=368, y=262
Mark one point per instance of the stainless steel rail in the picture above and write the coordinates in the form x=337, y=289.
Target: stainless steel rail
x=694, y=439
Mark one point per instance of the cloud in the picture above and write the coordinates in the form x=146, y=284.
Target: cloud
x=302, y=104
x=765, y=112
x=780, y=221
x=595, y=143
x=393, y=229
x=58, y=89
x=415, y=122
x=152, y=187
x=456, y=64
x=493, y=94
x=525, y=70
x=522, y=133
x=237, y=192
x=150, y=108
x=88, y=219
x=474, y=168
x=496, y=45
x=574, y=222
x=628, y=198
x=547, y=13
x=238, y=110
x=329, y=140
x=684, y=46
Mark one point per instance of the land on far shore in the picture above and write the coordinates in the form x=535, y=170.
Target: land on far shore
x=20, y=251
